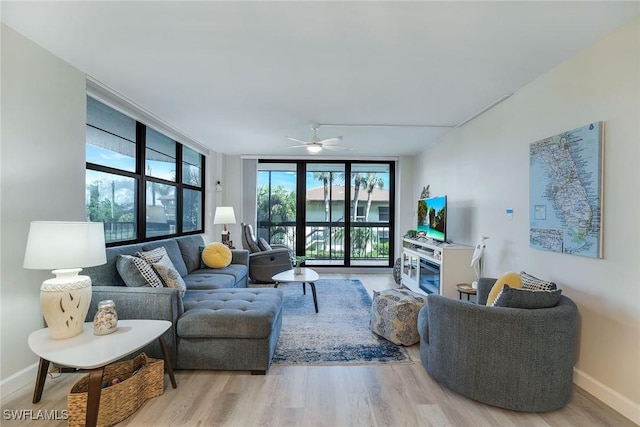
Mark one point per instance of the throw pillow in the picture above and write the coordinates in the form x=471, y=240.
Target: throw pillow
x=509, y=278
x=216, y=255
x=533, y=283
x=137, y=272
x=526, y=298
x=264, y=245
x=153, y=255
x=170, y=276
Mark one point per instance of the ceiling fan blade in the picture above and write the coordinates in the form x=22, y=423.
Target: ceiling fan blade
x=330, y=141
x=336, y=148
x=296, y=140
x=297, y=146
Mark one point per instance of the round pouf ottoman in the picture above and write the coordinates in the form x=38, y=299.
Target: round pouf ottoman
x=394, y=315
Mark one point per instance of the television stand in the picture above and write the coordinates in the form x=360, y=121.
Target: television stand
x=435, y=267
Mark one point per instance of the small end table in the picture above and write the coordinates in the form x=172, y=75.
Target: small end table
x=93, y=352
x=465, y=288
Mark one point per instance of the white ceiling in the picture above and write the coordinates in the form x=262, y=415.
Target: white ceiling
x=238, y=76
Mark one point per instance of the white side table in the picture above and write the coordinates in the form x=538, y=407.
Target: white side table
x=306, y=275
x=93, y=352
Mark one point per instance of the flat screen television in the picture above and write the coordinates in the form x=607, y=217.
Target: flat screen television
x=432, y=218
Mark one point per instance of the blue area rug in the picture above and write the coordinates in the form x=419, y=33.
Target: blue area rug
x=338, y=335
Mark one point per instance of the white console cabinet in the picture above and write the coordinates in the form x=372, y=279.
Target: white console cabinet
x=433, y=267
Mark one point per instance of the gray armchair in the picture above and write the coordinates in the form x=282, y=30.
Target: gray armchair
x=518, y=359
x=265, y=261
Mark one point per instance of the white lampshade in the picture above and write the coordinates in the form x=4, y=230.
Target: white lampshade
x=56, y=244
x=224, y=215
x=65, y=247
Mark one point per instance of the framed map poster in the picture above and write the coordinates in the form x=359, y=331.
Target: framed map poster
x=565, y=192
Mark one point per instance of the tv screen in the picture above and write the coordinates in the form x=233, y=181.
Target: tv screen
x=432, y=218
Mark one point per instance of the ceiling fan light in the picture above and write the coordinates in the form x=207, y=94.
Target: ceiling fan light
x=314, y=149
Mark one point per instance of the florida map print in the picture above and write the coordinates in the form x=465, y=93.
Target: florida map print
x=565, y=176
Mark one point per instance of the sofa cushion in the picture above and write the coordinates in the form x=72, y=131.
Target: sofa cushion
x=264, y=245
x=190, y=248
x=533, y=283
x=203, y=280
x=169, y=275
x=230, y=313
x=250, y=239
x=509, y=278
x=137, y=272
x=216, y=255
x=173, y=250
x=238, y=271
x=526, y=298
x=107, y=274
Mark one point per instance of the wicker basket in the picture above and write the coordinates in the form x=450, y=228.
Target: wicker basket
x=120, y=400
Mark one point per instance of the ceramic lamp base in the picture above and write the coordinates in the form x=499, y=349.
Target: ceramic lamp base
x=65, y=301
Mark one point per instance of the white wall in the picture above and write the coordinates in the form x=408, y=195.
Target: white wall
x=483, y=168
x=42, y=178
x=407, y=193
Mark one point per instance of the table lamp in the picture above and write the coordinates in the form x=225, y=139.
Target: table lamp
x=224, y=215
x=65, y=247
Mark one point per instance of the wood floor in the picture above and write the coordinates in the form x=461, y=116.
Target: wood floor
x=368, y=395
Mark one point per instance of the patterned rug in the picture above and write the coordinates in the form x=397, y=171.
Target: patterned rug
x=338, y=335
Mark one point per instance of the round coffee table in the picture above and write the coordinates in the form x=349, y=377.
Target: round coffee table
x=306, y=275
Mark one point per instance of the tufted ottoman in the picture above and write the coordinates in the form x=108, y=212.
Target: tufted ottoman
x=394, y=315
x=229, y=329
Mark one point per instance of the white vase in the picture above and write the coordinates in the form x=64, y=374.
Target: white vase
x=297, y=270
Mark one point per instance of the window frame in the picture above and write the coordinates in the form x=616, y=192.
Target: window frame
x=301, y=215
x=141, y=180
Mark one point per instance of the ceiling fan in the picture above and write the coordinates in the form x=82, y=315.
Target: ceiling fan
x=315, y=144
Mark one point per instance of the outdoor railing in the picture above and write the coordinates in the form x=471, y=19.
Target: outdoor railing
x=117, y=231
x=326, y=241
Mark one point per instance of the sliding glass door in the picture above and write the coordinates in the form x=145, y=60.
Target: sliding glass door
x=336, y=213
x=277, y=203
x=325, y=213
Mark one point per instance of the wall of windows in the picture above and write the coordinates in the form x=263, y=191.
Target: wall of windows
x=332, y=212
x=140, y=183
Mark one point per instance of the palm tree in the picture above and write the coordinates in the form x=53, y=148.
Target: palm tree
x=371, y=181
x=325, y=177
x=356, y=193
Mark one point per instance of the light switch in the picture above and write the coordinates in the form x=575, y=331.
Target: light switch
x=509, y=213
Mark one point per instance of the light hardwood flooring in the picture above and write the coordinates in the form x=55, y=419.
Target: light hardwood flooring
x=367, y=395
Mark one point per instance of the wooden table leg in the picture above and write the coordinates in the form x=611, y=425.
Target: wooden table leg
x=315, y=298
x=167, y=361
x=43, y=369
x=93, y=396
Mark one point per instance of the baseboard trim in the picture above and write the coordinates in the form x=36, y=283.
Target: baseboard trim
x=607, y=395
x=18, y=380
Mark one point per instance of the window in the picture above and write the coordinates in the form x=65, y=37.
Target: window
x=332, y=212
x=383, y=213
x=133, y=182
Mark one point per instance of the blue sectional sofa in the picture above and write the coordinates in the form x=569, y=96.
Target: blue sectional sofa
x=218, y=323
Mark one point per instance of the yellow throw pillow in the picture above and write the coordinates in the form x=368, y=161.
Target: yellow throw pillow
x=216, y=255
x=511, y=279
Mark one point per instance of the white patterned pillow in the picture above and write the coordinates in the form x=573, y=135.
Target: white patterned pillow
x=153, y=255
x=170, y=276
x=534, y=284
x=137, y=272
